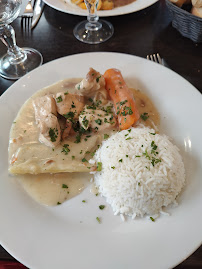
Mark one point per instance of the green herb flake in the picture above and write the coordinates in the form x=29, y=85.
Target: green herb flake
x=106, y=136
x=84, y=160
x=73, y=157
x=85, y=122
x=152, y=219
x=64, y=186
x=101, y=207
x=83, y=201
x=113, y=167
x=98, y=78
x=25, y=131
x=99, y=166
x=78, y=139
x=144, y=116
x=58, y=203
x=128, y=138
x=66, y=93
x=65, y=149
x=53, y=133
x=59, y=99
x=96, y=194
x=126, y=156
x=121, y=160
x=98, y=121
x=69, y=115
x=152, y=133
x=98, y=219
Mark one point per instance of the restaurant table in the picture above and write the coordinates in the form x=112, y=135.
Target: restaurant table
x=140, y=33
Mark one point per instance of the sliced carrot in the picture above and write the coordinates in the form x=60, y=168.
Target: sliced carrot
x=122, y=98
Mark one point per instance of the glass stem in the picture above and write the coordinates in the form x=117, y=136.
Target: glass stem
x=93, y=23
x=7, y=36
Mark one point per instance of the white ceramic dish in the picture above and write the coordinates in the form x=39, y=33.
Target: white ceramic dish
x=69, y=235
x=70, y=8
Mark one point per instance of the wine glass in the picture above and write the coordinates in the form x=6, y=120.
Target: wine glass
x=93, y=30
x=17, y=61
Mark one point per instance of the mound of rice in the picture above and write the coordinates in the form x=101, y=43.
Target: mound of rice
x=141, y=172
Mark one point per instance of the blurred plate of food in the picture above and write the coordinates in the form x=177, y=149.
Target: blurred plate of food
x=107, y=8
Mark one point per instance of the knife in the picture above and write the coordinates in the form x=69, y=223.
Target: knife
x=38, y=9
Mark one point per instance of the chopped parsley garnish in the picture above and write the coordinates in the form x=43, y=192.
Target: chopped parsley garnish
x=59, y=99
x=65, y=149
x=25, y=131
x=123, y=102
x=58, y=203
x=73, y=157
x=83, y=201
x=98, y=121
x=98, y=219
x=126, y=156
x=139, y=184
x=113, y=167
x=137, y=156
x=84, y=160
x=96, y=194
x=121, y=160
x=99, y=166
x=78, y=139
x=146, y=154
x=69, y=115
x=64, y=186
x=66, y=93
x=98, y=78
x=152, y=219
x=152, y=133
x=128, y=138
x=85, y=122
x=101, y=207
x=106, y=136
x=144, y=116
x=53, y=133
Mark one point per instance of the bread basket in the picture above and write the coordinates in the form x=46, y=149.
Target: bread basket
x=188, y=25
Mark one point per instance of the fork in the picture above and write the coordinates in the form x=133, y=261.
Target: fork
x=27, y=15
x=155, y=58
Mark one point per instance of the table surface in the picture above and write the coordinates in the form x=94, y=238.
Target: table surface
x=141, y=33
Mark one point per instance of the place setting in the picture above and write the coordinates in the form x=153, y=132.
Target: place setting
x=98, y=154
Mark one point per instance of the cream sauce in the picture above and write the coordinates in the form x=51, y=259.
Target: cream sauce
x=48, y=189
x=54, y=189
x=145, y=105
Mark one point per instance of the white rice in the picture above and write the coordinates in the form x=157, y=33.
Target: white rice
x=131, y=182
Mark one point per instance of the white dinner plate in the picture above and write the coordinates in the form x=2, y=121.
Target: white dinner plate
x=70, y=8
x=69, y=236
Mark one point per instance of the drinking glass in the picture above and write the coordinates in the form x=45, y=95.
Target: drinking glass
x=17, y=61
x=93, y=30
